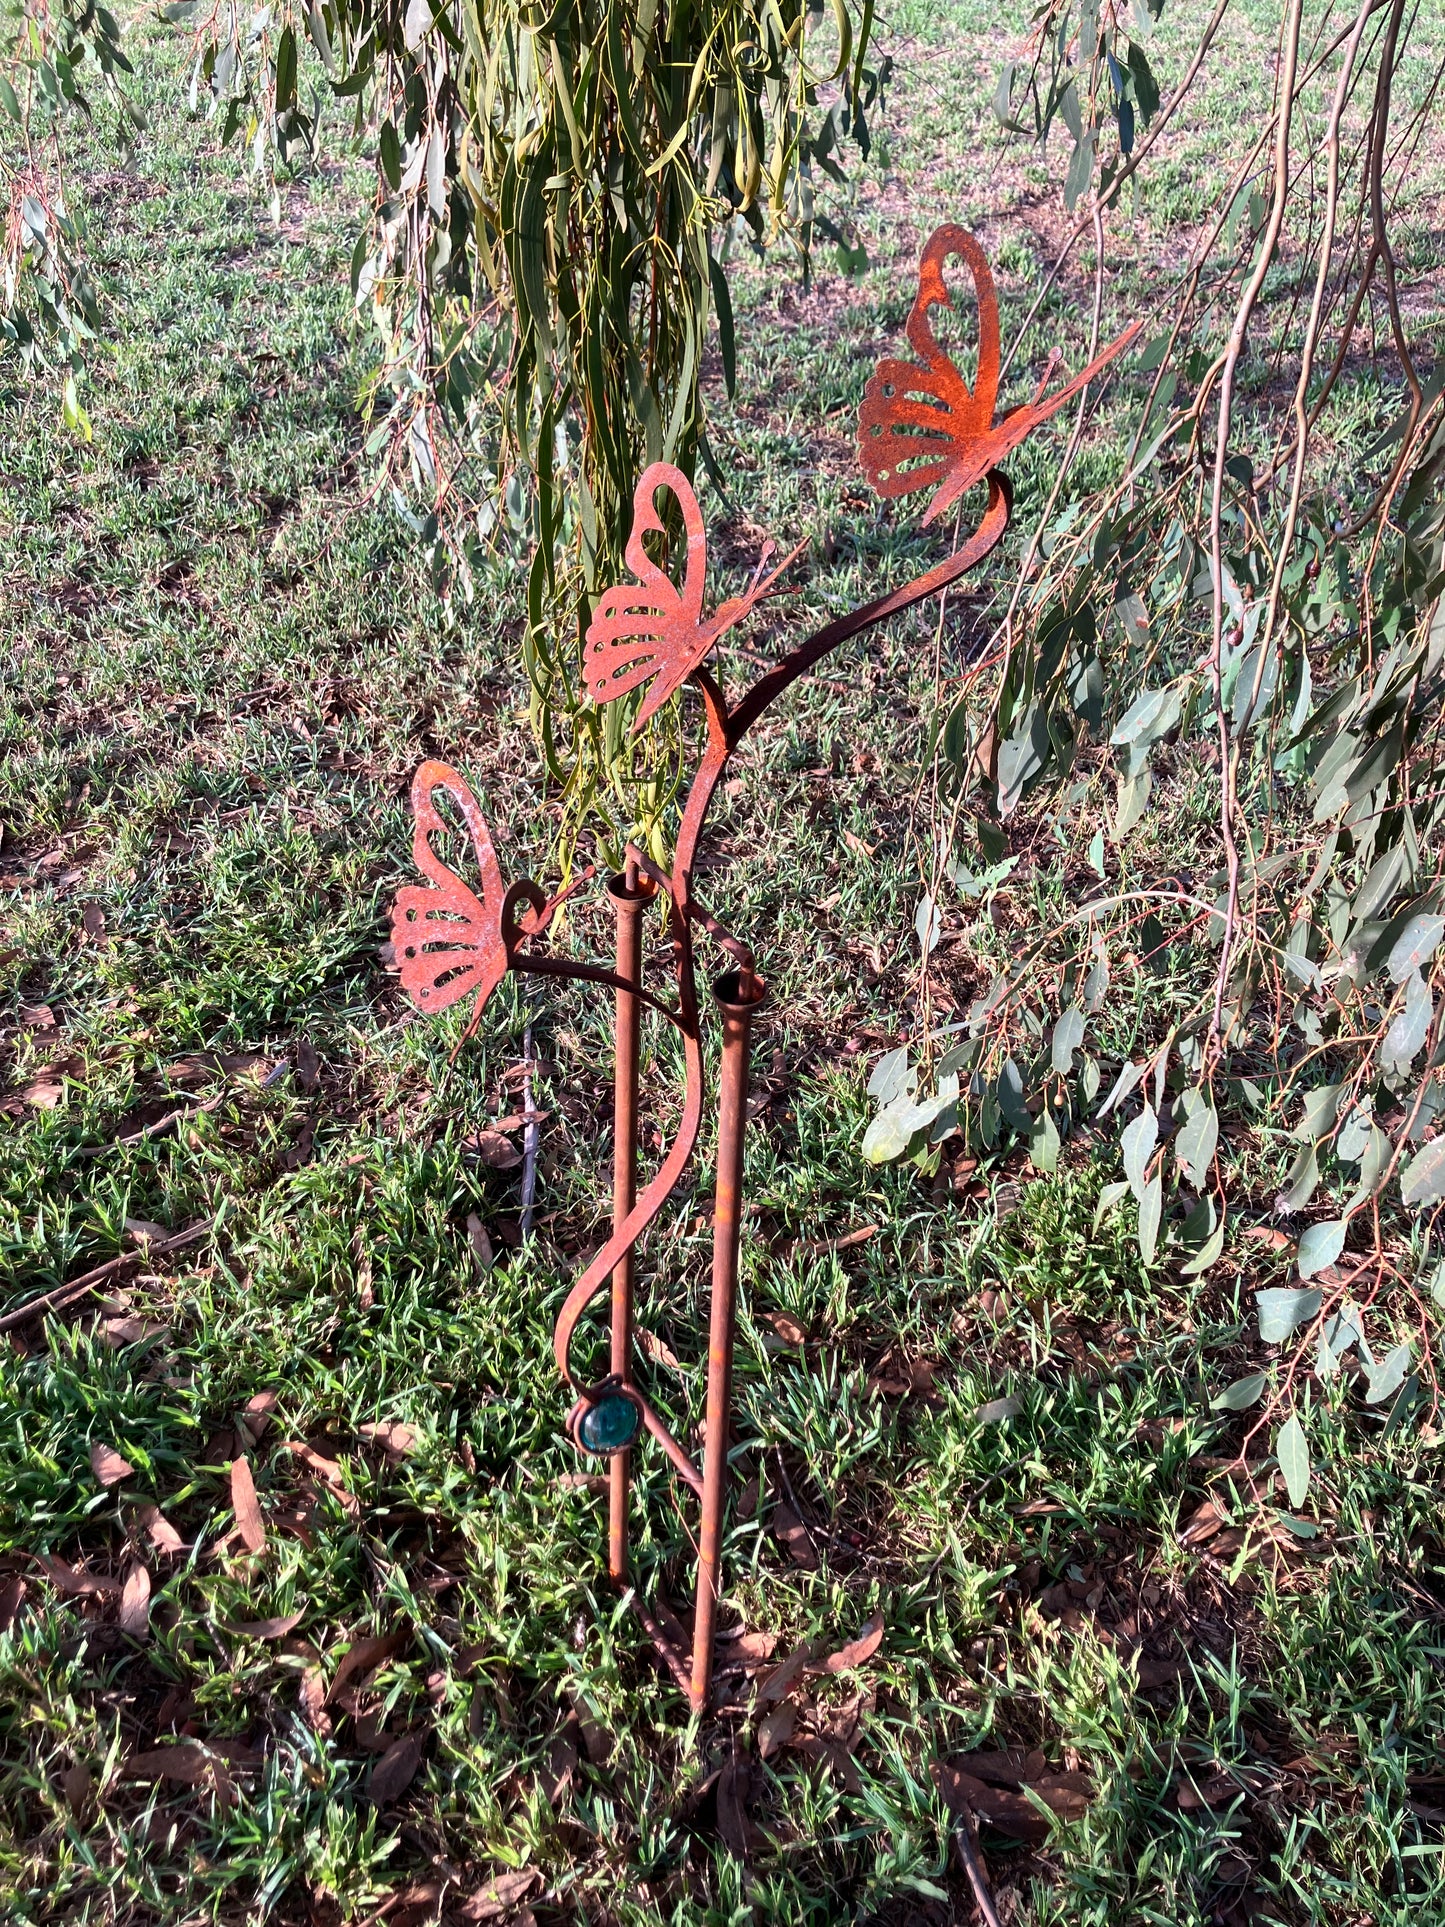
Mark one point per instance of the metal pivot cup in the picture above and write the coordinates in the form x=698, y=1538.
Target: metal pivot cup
x=738, y=995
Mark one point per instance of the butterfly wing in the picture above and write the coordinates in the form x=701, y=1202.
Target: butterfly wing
x=921, y=426
x=447, y=939
x=651, y=629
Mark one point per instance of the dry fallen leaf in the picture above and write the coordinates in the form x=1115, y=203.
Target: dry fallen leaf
x=495, y=1149
x=130, y=1330
x=858, y=1650
x=787, y=1327
x=1270, y=1236
x=776, y=1683
x=12, y=1598
x=734, y=1788
x=561, y=1768
x=142, y=1232
x=108, y=1465
x=395, y=1771
x=93, y=922
x=268, y=1628
x=308, y=1064
x=135, y=1603
x=362, y=1657
x=73, y=1580
x=655, y=1348
x=1215, y=1791
x=44, y=1094
x=395, y=1438
x=794, y=1535
x=776, y=1729
x=256, y=1416
x=328, y=1469
x=249, y=1523
x=596, y=1739
x=750, y=1648
x=313, y=1701
x=75, y=1784
x=498, y=1896
x=1010, y=1767
x=1065, y=1794
x=480, y=1243
x=1203, y=1525
x=835, y=1755
x=191, y=1761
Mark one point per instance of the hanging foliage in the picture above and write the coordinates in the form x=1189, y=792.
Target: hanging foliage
x=1253, y=596
x=545, y=264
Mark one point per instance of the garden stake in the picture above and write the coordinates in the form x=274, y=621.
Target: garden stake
x=921, y=427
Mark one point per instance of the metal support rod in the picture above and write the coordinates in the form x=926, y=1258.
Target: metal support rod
x=738, y=996
x=629, y=902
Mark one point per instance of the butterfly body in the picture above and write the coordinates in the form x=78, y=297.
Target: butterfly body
x=921, y=425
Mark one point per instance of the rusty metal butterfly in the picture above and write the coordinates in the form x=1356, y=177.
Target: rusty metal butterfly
x=448, y=940
x=652, y=629
x=921, y=426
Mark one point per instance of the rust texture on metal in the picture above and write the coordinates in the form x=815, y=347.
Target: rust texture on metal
x=921, y=426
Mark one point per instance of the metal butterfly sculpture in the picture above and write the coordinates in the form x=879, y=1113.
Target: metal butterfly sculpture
x=655, y=629
x=920, y=427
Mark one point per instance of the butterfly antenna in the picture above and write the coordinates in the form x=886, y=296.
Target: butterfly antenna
x=1055, y=357
x=768, y=549
x=765, y=586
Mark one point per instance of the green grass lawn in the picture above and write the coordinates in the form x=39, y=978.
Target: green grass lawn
x=221, y=662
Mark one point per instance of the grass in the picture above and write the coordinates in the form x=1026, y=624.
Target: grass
x=222, y=662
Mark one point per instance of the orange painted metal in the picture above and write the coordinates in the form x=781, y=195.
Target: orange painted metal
x=921, y=426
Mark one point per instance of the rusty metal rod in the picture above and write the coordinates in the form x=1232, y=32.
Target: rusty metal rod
x=629, y=901
x=738, y=996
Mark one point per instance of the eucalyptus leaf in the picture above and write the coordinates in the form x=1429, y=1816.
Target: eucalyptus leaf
x=1239, y=1396
x=1148, y=718
x=1195, y=1144
x=1416, y=945
x=1109, y=1196
x=1300, y=1187
x=1321, y=1107
x=1137, y=1141
x=1283, y=1309
x=1067, y=1038
x=1151, y=1210
x=1388, y=1376
x=891, y=1076
x=1411, y=1024
x=1044, y=1143
x=997, y=1410
x=1292, y=1450
x=1423, y=1180
x=1207, y=1255
x=1320, y=1246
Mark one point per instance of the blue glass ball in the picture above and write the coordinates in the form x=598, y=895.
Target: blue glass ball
x=609, y=1424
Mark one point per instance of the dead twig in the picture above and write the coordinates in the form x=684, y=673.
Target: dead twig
x=966, y=1835
x=64, y=1295
x=196, y=1109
